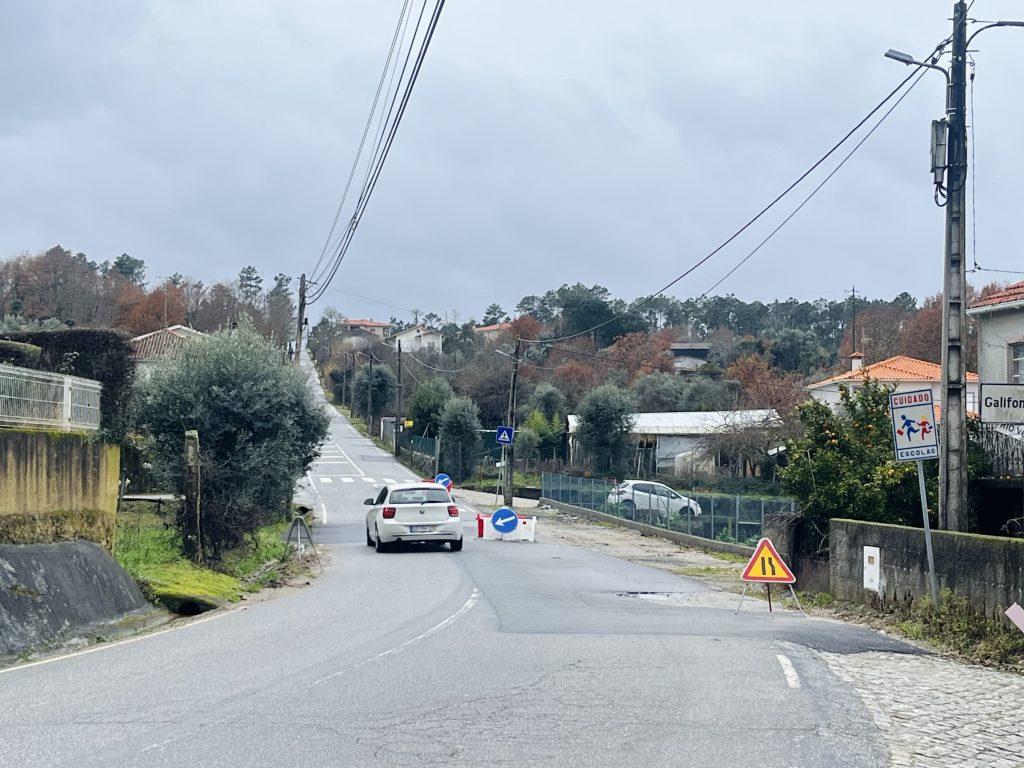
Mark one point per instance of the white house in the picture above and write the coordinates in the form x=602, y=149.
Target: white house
x=417, y=338
x=1000, y=319
x=675, y=442
x=903, y=373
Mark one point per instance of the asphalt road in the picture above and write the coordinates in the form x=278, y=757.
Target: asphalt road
x=505, y=654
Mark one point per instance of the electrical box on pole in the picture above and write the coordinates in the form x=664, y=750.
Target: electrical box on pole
x=940, y=130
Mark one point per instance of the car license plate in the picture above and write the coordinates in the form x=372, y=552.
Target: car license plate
x=420, y=528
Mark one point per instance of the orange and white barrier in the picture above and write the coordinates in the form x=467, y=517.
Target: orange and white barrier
x=526, y=530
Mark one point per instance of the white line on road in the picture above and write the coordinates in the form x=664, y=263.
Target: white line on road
x=326, y=480
x=368, y=479
x=390, y=480
x=354, y=465
x=126, y=641
x=466, y=608
x=348, y=479
x=792, y=678
x=323, y=507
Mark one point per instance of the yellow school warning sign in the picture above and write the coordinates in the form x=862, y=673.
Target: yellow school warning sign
x=767, y=566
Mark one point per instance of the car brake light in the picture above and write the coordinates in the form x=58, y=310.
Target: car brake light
x=453, y=511
x=388, y=512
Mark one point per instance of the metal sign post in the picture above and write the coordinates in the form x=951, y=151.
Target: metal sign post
x=915, y=438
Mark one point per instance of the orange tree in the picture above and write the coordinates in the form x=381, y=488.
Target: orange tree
x=844, y=464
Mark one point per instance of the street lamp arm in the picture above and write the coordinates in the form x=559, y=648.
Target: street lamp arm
x=994, y=24
x=906, y=58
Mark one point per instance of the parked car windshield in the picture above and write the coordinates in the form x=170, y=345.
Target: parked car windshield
x=420, y=496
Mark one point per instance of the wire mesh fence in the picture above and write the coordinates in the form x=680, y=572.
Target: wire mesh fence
x=39, y=398
x=721, y=517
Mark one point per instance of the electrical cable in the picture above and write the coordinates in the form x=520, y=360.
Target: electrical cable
x=815, y=191
x=362, y=141
x=935, y=52
x=751, y=221
x=369, y=188
x=433, y=368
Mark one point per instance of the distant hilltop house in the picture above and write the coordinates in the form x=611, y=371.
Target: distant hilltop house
x=377, y=328
x=689, y=356
x=148, y=348
x=903, y=373
x=1000, y=319
x=416, y=339
x=678, y=442
x=492, y=332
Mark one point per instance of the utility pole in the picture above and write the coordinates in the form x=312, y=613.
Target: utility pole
x=508, y=454
x=853, y=319
x=302, y=316
x=369, y=398
x=953, y=436
x=398, y=411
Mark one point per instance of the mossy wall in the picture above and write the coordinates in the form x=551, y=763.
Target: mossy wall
x=57, y=486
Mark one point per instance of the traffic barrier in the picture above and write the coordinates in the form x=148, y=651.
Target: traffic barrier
x=525, y=529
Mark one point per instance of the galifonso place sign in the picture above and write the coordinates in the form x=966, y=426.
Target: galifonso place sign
x=1002, y=403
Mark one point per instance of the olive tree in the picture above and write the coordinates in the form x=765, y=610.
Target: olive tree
x=259, y=429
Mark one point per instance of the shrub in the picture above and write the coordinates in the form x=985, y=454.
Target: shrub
x=259, y=429
x=460, y=438
x=19, y=354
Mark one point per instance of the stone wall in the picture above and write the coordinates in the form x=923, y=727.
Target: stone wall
x=57, y=486
x=986, y=570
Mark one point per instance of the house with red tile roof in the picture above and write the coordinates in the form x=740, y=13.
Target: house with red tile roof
x=903, y=373
x=377, y=328
x=148, y=348
x=1000, y=318
x=491, y=332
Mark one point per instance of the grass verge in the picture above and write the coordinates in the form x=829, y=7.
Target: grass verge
x=146, y=546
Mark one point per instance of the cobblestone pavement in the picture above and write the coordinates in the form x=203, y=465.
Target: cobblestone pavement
x=935, y=713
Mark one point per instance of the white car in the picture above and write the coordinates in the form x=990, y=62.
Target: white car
x=653, y=497
x=413, y=512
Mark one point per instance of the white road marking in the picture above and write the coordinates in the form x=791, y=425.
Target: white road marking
x=792, y=678
x=367, y=479
x=126, y=641
x=326, y=480
x=354, y=465
x=348, y=479
x=323, y=507
x=390, y=480
x=466, y=608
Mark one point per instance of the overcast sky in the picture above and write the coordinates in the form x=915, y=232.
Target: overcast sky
x=547, y=142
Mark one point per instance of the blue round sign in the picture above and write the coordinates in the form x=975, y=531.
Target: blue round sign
x=504, y=520
x=443, y=479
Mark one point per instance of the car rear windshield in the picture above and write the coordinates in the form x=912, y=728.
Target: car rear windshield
x=420, y=496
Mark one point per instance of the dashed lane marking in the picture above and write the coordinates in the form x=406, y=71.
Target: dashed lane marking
x=792, y=678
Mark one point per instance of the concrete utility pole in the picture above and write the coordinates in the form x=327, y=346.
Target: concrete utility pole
x=302, y=316
x=853, y=319
x=953, y=442
x=398, y=410
x=508, y=454
x=369, y=398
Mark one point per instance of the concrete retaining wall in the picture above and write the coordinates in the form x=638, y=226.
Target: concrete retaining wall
x=986, y=570
x=53, y=592
x=57, y=487
x=649, y=530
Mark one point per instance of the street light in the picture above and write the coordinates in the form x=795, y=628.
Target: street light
x=953, y=444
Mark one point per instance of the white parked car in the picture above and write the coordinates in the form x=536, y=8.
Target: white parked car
x=413, y=512
x=652, y=497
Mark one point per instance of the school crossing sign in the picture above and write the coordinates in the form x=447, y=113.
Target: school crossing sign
x=914, y=433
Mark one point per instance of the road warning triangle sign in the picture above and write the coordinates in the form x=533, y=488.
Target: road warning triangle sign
x=767, y=566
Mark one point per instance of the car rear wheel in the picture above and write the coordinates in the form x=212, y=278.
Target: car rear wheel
x=381, y=546
x=369, y=538
x=456, y=545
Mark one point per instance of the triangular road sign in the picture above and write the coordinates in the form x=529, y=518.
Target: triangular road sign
x=767, y=566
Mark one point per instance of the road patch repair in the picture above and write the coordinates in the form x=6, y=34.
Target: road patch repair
x=932, y=712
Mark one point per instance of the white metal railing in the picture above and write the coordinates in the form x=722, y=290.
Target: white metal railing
x=38, y=398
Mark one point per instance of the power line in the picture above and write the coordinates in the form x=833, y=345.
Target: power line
x=371, y=182
x=362, y=141
x=815, y=191
x=758, y=216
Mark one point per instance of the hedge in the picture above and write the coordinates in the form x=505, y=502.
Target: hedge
x=100, y=354
x=21, y=355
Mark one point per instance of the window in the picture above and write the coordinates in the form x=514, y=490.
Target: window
x=1017, y=363
x=421, y=496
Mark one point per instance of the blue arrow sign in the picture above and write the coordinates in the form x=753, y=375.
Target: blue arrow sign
x=504, y=520
x=443, y=479
x=504, y=435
